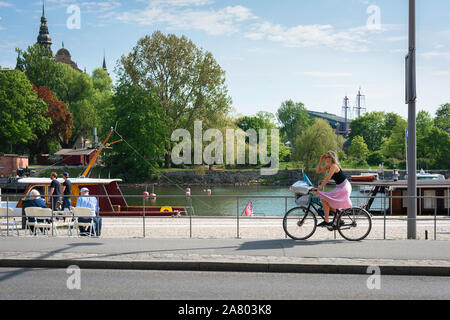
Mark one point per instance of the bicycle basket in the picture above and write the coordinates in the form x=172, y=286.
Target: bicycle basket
x=301, y=188
x=302, y=200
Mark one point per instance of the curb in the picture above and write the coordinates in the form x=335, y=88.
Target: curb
x=211, y=266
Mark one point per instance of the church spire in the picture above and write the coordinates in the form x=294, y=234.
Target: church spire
x=104, y=61
x=44, y=38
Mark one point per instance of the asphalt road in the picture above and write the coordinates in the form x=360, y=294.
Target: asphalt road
x=33, y=284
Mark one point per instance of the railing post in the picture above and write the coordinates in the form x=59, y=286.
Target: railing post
x=237, y=215
x=448, y=201
x=190, y=218
x=7, y=216
x=384, y=214
x=435, y=218
x=143, y=216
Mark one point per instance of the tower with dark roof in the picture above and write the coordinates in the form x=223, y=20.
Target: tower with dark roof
x=104, y=61
x=44, y=38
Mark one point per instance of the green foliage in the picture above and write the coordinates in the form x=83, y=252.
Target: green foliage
x=395, y=146
x=22, y=114
x=438, y=147
x=442, y=119
x=262, y=120
x=141, y=121
x=358, y=149
x=294, y=119
x=375, y=158
x=41, y=69
x=188, y=81
x=372, y=128
x=317, y=139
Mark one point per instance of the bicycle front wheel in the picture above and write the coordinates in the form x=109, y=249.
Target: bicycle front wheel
x=355, y=224
x=299, y=223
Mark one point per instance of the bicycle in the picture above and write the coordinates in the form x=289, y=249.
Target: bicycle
x=300, y=223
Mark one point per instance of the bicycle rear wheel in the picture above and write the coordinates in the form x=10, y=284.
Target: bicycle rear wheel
x=355, y=224
x=300, y=223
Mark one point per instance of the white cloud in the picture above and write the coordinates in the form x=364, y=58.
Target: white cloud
x=88, y=6
x=5, y=4
x=179, y=15
x=442, y=73
x=302, y=36
x=321, y=74
x=435, y=54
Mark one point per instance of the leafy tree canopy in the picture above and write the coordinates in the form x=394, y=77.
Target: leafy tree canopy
x=22, y=113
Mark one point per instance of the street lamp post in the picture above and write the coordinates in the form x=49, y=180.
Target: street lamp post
x=412, y=139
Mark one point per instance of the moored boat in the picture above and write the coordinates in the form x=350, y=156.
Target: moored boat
x=112, y=202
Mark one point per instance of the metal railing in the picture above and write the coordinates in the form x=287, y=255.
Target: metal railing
x=384, y=213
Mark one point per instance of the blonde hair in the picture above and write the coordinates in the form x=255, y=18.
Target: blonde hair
x=334, y=158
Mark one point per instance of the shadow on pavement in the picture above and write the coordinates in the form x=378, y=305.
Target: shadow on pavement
x=283, y=244
x=18, y=272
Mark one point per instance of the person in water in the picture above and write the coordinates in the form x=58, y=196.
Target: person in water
x=339, y=198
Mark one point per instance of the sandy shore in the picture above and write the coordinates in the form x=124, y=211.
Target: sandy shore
x=253, y=228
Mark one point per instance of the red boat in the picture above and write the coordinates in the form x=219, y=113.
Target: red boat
x=365, y=178
x=111, y=201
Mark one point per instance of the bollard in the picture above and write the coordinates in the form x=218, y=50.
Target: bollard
x=426, y=234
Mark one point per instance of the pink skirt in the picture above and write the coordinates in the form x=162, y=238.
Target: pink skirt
x=339, y=198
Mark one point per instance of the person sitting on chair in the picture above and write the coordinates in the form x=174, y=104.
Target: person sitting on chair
x=84, y=201
x=35, y=202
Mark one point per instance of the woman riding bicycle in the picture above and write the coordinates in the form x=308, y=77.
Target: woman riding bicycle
x=339, y=198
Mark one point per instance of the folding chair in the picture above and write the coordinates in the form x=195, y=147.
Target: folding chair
x=38, y=214
x=86, y=214
x=8, y=213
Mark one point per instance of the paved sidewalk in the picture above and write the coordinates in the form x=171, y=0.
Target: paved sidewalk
x=427, y=258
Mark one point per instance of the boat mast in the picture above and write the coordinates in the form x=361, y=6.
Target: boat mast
x=104, y=145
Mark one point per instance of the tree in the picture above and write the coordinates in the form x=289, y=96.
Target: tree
x=141, y=121
x=442, y=120
x=102, y=100
x=62, y=122
x=437, y=148
x=294, y=119
x=22, y=113
x=79, y=94
x=188, y=81
x=425, y=124
x=391, y=120
x=39, y=65
x=262, y=120
x=375, y=158
x=317, y=139
x=358, y=149
x=394, y=146
x=101, y=80
x=371, y=127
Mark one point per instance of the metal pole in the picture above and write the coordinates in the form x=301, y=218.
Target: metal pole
x=448, y=201
x=412, y=153
x=190, y=218
x=435, y=218
x=384, y=213
x=7, y=216
x=143, y=216
x=237, y=214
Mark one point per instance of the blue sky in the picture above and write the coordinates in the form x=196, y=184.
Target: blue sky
x=313, y=51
